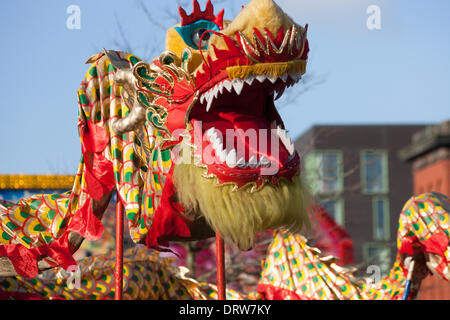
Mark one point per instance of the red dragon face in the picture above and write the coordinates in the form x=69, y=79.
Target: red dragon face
x=217, y=84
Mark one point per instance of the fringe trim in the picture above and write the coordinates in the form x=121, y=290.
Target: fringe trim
x=273, y=70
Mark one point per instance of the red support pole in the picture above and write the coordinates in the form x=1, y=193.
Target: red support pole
x=118, y=272
x=220, y=265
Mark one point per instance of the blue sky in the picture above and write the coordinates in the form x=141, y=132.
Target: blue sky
x=396, y=75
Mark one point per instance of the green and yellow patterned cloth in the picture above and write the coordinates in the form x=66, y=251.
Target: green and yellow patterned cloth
x=291, y=270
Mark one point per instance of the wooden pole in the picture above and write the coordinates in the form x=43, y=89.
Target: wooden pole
x=220, y=265
x=118, y=272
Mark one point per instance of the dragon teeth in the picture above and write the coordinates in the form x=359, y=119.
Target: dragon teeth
x=249, y=80
x=238, y=85
x=209, y=100
x=261, y=78
x=291, y=157
x=231, y=159
x=241, y=163
x=273, y=80
x=295, y=76
x=221, y=86
x=222, y=155
x=253, y=162
x=228, y=85
x=279, y=93
x=264, y=162
x=210, y=131
x=215, y=91
x=286, y=140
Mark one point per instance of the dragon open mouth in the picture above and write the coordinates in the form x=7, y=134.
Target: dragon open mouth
x=242, y=133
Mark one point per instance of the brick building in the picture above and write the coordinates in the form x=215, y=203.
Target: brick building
x=355, y=172
x=429, y=154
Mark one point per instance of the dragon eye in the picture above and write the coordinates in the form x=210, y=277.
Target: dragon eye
x=197, y=35
x=192, y=33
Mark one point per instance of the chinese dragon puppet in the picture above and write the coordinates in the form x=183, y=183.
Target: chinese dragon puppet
x=175, y=138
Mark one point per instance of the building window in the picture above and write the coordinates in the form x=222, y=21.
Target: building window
x=381, y=218
x=378, y=255
x=374, y=171
x=324, y=171
x=335, y=209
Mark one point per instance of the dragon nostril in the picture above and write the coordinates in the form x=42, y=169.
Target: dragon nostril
x=168, y=57
x=168, y=60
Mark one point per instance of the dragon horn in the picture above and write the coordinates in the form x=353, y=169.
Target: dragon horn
x=133, y=120
x=124, y=77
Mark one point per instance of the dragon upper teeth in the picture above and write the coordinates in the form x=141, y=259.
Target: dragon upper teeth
x=295, y=76
x=209, y=100
x=227, y=84
x=279, y=93
x=261, y=78
x=286, y=140
x=249, y=80
x=215, y=91
x=273, y=80
x=238, y=85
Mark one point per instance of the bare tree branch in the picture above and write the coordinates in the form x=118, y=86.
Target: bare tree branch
x=308, y=82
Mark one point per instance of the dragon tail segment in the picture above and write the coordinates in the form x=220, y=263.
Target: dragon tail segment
x=293, y=270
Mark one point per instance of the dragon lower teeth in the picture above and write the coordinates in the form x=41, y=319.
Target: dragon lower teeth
x=253, y=163
x=241, y=163
x=231, y=159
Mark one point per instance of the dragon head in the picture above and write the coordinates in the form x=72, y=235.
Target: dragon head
x=211, y=95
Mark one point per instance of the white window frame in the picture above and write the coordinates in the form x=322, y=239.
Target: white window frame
x=313, y=171
x=386, y=219
x=384, y=173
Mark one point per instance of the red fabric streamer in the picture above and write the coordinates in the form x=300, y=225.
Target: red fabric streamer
x=437, y=244
x=270, y=292
x=25, y=260
x=99, y=170
x=168, y=220
x=4, y=295
x=86, y=224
